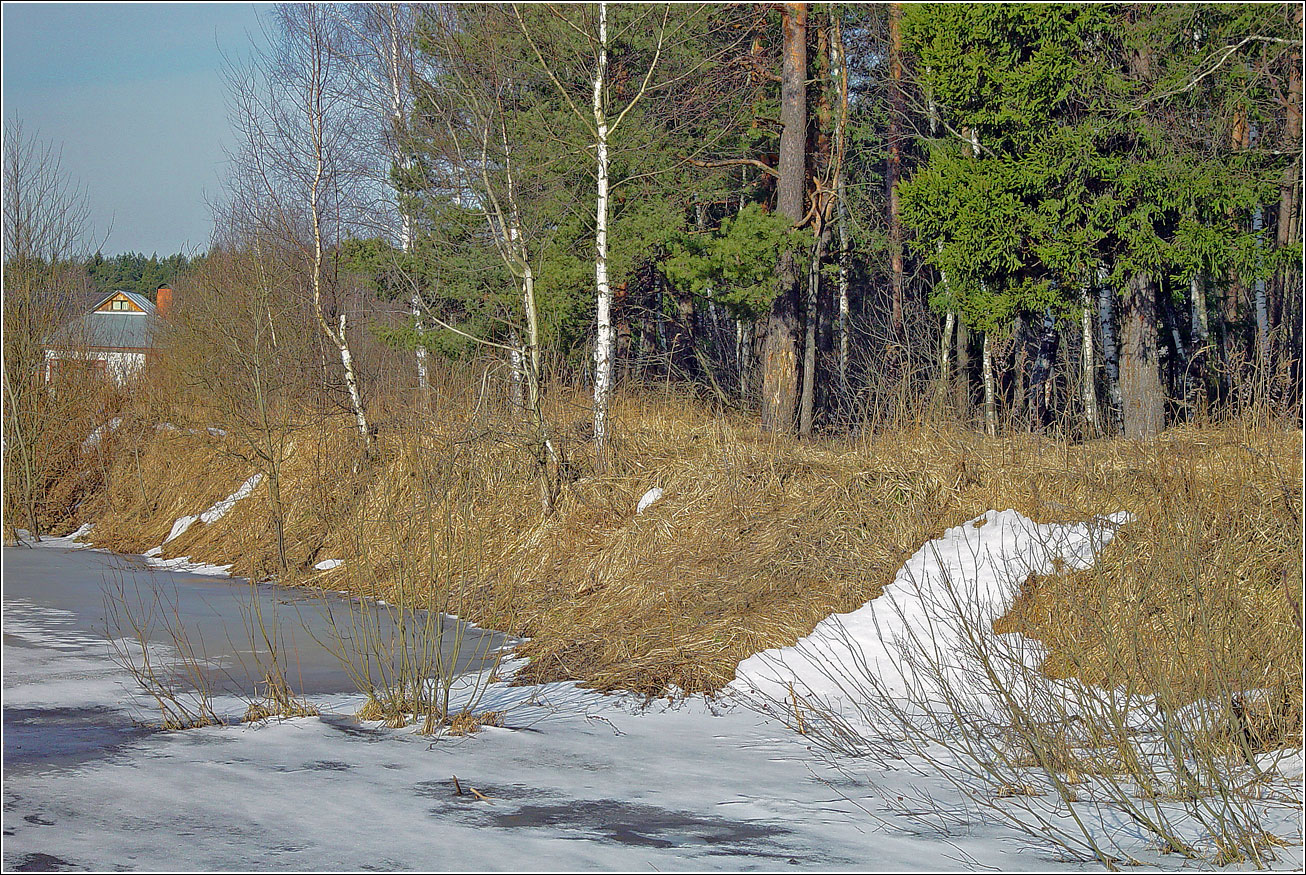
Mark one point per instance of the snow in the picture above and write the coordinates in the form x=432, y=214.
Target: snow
x=964, y=580
x=654, y=494
x=93, y=439
x=219, y=510
x=574, y=779
x=180, y=526
x=216, y=512
x=328, y=564
x=183, y=563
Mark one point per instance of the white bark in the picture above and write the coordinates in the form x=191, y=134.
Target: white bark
x=945, y=349
x=990, y=403
x=1201, y=330
x=316, y=82
x=1262, y=310
x=742, y=349
x=1090, y=371
x=351, y=380
x=839, y=69
x=604, y=339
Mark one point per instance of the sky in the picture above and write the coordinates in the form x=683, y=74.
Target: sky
x=134, y=95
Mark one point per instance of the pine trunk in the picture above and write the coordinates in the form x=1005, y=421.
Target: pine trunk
x=780, y=350
x=1142, y=394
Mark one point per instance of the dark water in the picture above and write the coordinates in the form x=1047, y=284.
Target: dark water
x=223, y=623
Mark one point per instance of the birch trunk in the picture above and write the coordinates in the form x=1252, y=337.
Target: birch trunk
x=945, y=351
x=990, y=402
x=1259, y=296
x=1200, y=324
x=1110, y=352
x=395, y=73
x=603, y=341
x=1089, y=386
x=351, y=380
x=316, y=83
x=839, y=69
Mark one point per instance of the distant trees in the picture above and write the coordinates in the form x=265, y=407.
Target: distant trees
x=133, y=272
x=1086, y=172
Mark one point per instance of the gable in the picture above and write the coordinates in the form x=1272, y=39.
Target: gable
x=120, y=302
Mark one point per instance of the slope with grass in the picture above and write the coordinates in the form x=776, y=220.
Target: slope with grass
x=756, y=539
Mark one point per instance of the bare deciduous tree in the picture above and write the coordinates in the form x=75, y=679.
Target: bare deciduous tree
x=298, y=127
x=46, y=219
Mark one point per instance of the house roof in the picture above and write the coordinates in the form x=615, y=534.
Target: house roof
x=110, y=329
x=139, y=300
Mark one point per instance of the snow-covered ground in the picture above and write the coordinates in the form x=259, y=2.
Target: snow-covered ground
x=573, y=779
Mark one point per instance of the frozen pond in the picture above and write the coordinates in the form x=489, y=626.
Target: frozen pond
x=86, y=592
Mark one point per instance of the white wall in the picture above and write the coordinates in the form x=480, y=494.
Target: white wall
x=121, y=366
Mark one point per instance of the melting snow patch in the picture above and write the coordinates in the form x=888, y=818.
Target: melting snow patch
x=179, y=527
x=962, y=581
x=649, y=497
x=183, y=563
x=219, y=510
x=93, y=439
x=328, y=564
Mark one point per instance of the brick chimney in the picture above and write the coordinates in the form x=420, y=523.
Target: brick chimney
x=163, y=301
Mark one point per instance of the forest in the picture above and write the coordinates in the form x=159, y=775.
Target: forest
x=654, y=335
x=1083, y=219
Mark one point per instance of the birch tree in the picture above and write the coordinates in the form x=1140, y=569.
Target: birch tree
x=601, y=124
x=474, y=128
x=299, y=139
x=377, y=49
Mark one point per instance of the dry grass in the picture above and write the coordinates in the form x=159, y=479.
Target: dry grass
x=757, y=538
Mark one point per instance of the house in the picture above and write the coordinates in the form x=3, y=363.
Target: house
x=114, y=338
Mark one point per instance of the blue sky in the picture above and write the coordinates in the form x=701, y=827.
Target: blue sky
x=134, y=94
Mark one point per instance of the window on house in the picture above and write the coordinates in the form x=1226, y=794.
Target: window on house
x=121, y=304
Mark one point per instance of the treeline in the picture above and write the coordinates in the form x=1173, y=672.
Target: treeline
x=1077, y=218
x=1084, y=217
x=133, y=272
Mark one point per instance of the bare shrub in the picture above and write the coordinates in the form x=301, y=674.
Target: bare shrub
x=176, y=676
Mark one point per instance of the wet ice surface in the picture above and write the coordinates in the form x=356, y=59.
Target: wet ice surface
x=215, y=612
x=572, y=780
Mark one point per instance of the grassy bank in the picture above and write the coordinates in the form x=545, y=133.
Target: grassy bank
x=756, y=539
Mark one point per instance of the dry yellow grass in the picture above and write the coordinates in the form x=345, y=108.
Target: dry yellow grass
x=756, y=539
